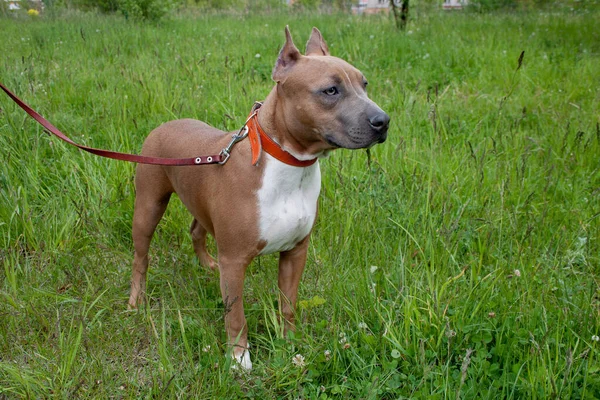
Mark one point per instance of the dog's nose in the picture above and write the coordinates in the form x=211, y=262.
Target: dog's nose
x=380, y=122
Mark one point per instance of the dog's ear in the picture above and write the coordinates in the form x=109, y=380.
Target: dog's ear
x=316, y=46
x=288, y=56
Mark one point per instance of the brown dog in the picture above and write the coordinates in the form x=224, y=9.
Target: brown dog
x=264, y=198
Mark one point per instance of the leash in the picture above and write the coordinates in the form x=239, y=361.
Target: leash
x=200, y=160
x=259, y=141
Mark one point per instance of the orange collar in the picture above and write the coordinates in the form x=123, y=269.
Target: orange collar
x=259, y=141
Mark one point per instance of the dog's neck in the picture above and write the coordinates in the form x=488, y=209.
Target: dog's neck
x=272, y=122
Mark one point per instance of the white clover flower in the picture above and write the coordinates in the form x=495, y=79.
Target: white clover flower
x=517, y=273
x=595, y=338
x=327, y=354
x=206, y=348
x=298, y=360
x=257, y=55
x=374, y=268
x=362, y=325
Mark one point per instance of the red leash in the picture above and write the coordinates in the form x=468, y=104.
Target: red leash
x=203, y=160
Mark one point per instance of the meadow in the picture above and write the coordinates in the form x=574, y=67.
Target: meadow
x=458, y=260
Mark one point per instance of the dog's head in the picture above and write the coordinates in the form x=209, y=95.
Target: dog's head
x=324, y=98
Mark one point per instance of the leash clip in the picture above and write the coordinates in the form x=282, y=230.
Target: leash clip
x=236, y=137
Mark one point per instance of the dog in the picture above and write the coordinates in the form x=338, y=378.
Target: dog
x=263, y=199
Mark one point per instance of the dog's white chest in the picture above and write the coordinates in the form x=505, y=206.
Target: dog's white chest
x=287, y=202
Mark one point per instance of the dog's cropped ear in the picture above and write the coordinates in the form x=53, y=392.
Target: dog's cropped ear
x=288, y=56
x=316, y=46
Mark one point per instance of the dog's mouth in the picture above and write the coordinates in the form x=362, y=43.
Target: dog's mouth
x=331, y=141
x=352, y=143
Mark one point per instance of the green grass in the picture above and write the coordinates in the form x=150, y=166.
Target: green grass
x=480, y=212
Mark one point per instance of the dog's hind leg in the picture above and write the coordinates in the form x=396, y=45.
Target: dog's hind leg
x=151, y=202
x=199, y=241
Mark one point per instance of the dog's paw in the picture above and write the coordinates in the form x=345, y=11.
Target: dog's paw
x=212, y=264
x=242, y=361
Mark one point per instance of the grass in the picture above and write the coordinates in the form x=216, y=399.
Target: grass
x=461, y=260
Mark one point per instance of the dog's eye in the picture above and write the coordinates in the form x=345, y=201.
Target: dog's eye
x=332, y=91
x=365, y=83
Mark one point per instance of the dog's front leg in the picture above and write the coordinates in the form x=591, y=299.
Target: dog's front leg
x=291, y=266
x=232, y=273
